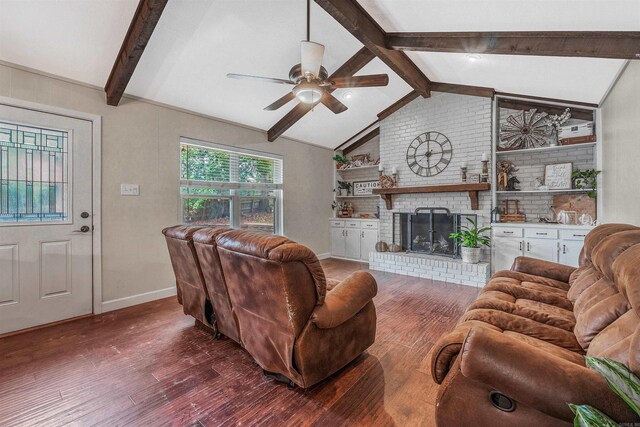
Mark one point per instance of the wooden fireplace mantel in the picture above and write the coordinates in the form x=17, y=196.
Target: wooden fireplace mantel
x=472, y=189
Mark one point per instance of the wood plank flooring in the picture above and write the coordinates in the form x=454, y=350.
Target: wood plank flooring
x=149, y=366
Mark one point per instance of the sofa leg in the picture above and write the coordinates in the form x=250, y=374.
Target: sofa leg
x=280, y=378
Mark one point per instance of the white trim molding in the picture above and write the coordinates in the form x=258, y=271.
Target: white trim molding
x=325, y=255
x=118, y=303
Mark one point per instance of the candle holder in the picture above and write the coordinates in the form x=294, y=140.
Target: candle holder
x=463, y=173
x=484, y=177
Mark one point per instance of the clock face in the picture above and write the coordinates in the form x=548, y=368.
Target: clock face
x=429, y=154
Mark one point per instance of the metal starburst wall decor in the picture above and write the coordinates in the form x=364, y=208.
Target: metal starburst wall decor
x=527, y=129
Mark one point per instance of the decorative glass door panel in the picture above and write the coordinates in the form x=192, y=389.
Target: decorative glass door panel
x=34, y=174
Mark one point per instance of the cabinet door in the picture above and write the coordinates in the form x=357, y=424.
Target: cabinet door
x=570, y=252
x=352, y=243
x=368, y=240
x=505, y=250
x=546, y=249
x=337, y=241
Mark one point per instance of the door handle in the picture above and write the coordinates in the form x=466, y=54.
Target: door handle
x=362, y=235
x=528, y=247
x=83, y=229
x=564, y=249
x=520, y=245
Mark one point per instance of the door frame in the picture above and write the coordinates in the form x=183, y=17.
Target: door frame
x=96, y=178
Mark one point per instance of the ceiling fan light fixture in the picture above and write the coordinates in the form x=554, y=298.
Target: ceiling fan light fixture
x=308, y=92
x=311, y=57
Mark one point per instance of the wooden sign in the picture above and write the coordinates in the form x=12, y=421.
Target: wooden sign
x=558, y=177
x=365, y=188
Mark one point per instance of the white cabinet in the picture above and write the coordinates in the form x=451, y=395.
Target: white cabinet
x=545, y=249
x=352, y=243
x=570, y=252
x=505, y=250
x=337, y=241
x=353, y=239
x=548, y=242
x=368, y=240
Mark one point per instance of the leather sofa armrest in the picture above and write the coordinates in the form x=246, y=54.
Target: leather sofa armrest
x=538, y=267
x=535, y=378
x=345, y=300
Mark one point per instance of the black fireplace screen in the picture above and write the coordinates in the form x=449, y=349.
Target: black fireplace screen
x=427, y=231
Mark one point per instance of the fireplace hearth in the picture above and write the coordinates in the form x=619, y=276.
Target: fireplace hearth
x=427, y=231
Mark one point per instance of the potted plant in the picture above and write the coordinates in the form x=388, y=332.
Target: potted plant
x=621, y=380
x=470, y=239
x=340, y=160
x=344, y=187
x=586, y=179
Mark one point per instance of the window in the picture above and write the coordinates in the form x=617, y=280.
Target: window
x=229, y=186
x=34, y=174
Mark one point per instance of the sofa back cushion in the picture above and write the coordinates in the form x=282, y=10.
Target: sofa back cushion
x=205, y=243
x=620, y=340
x=273, y=286
x=601, y=303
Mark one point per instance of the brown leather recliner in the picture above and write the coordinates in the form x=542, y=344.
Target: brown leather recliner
x=287, y=320
x=207, y=250
x=190, y=286
x=517, y=355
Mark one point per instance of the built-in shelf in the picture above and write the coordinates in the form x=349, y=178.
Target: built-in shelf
x=356, y=197
x=545, y=149
x=472, y=189
x=573, y=190
x=358, y=168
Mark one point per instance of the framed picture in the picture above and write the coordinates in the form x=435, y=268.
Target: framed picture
x=558, y=176
x=364, y=188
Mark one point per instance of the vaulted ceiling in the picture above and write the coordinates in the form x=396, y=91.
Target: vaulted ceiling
x=197, y=42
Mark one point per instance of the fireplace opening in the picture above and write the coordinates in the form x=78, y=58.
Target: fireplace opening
x=427, y=231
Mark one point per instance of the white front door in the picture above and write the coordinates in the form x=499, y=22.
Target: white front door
x=45, y=218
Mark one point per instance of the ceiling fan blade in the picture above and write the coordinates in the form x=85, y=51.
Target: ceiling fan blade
x=262, y=79
x=332, y=103
x=360, y=81
x=280, y=102
x=311, y=57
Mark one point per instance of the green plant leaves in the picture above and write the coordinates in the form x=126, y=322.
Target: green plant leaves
x=620, y=379
x=588, y=416
x=471, y=237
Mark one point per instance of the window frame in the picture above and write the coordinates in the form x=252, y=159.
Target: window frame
x=234, y=197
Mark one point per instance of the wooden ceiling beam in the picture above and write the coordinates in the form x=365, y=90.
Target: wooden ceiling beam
x=398, y=105
x=143, y=23
x=486, y=92
x=360, y=24
x=594, y=44
x=359, y=143
x=348, y=69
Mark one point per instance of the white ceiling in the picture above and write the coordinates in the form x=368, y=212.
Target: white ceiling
x=197, y=42
x=575, y=79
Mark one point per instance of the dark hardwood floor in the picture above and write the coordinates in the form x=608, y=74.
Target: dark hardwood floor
x=148, y=365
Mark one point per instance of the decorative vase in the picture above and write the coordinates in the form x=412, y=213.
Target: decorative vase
x=381, y=247
x=470, y=255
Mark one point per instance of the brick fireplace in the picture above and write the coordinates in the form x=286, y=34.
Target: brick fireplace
x=466, y=121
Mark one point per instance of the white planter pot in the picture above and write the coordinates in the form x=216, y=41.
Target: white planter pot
x=344, y=192
x=470, y=255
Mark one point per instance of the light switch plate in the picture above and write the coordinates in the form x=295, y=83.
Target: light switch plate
x=129, y=189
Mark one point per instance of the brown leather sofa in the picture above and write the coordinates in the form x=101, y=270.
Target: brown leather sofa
x=271, y=296
x=516, y=356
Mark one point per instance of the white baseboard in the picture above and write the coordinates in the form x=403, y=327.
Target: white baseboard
x=324, y=255
x=116, y=304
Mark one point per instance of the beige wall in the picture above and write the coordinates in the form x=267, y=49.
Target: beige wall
x=140, y=145
x=621, y=149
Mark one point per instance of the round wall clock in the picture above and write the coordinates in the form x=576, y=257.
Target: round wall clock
x=429, y=154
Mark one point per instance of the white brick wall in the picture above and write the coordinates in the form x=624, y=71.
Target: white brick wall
x=431, y=267
x=466, y=121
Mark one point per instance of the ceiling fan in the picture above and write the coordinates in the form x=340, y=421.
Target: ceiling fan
x=310, y=79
